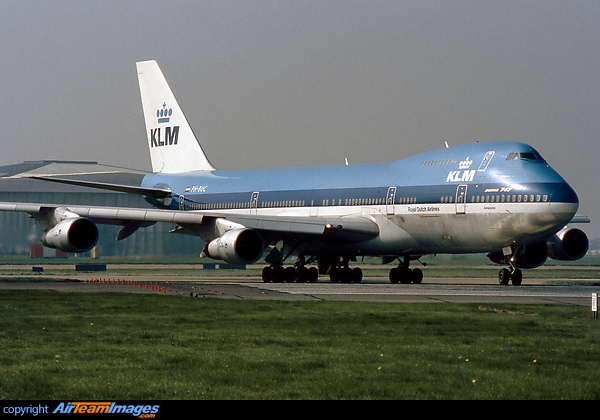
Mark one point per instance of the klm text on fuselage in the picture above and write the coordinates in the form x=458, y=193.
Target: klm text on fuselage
x=461, y=176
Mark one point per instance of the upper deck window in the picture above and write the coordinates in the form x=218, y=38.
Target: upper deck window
x=438, y=162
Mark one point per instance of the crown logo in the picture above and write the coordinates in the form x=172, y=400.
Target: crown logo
x=465, y=164
x=164, y=113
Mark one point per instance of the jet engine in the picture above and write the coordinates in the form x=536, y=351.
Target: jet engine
x=568, y=244
x=530, y=256
x=76, y=234
x=237, y=246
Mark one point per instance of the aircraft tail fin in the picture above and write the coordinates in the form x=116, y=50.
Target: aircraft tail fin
x=173, y=145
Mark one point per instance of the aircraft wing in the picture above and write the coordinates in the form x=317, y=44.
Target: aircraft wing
x=351, y=229
x=348, y=228
x=107, y=215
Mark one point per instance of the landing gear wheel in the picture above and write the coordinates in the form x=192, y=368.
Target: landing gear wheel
x=516, y=277
x=394, y=275
x=273, y=274
x=278, y=274
x=334, y=275
x=405, y=275
x=302, y=275
x=417, y=276
x=313, y=275
x=504, y=277
x=267, y=275
x=290, y=274
x=346, y=275
x=356, y=275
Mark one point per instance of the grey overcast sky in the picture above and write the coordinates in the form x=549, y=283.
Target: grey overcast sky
x=298, y=82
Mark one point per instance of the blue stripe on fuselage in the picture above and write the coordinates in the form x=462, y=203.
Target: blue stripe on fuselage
x=430, y=177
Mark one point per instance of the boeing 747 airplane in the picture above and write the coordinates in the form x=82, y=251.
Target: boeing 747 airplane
x=500, y=198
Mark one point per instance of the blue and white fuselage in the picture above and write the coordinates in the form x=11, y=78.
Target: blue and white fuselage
x=479, y=197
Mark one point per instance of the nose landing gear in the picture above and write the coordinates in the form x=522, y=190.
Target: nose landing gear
x=512, y=273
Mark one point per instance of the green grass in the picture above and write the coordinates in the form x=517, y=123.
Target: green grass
x=130, y=346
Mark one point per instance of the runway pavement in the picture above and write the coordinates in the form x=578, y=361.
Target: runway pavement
x=438, y=290
x=440, y=293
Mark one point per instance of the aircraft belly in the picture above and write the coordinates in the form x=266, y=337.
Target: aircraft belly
x=563, y=212
x=442, y=233
x=484, y=227
x=432, y=229
x=393, y=238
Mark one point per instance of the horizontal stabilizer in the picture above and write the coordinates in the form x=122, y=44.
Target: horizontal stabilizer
x=131, y=189
x=580, y=219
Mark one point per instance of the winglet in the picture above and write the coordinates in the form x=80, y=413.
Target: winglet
x=173, y=145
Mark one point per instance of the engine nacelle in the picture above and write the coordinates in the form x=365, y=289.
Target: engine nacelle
x=76, y=234
x=530, y=256
x=237, y=246
x=568, y=244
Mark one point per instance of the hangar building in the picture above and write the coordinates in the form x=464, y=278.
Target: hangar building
x=20, y=234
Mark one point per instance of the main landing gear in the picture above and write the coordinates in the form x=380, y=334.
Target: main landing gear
x=403, y=274
x=342, y=273
x=298, y=273
x=278, y=274
x=338, y=269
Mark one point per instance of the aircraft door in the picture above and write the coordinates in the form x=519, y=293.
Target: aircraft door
x=461, y=199
x=254, y=202
x=486, y=161
x=181, y=202
x=390, y=198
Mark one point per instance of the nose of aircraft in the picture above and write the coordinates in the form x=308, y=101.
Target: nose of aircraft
x=563, y=212
x=562, y=206
x=564, y=202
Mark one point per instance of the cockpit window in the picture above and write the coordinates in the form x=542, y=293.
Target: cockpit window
x=534, y=156
x=539, y=157
x=527, y=156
